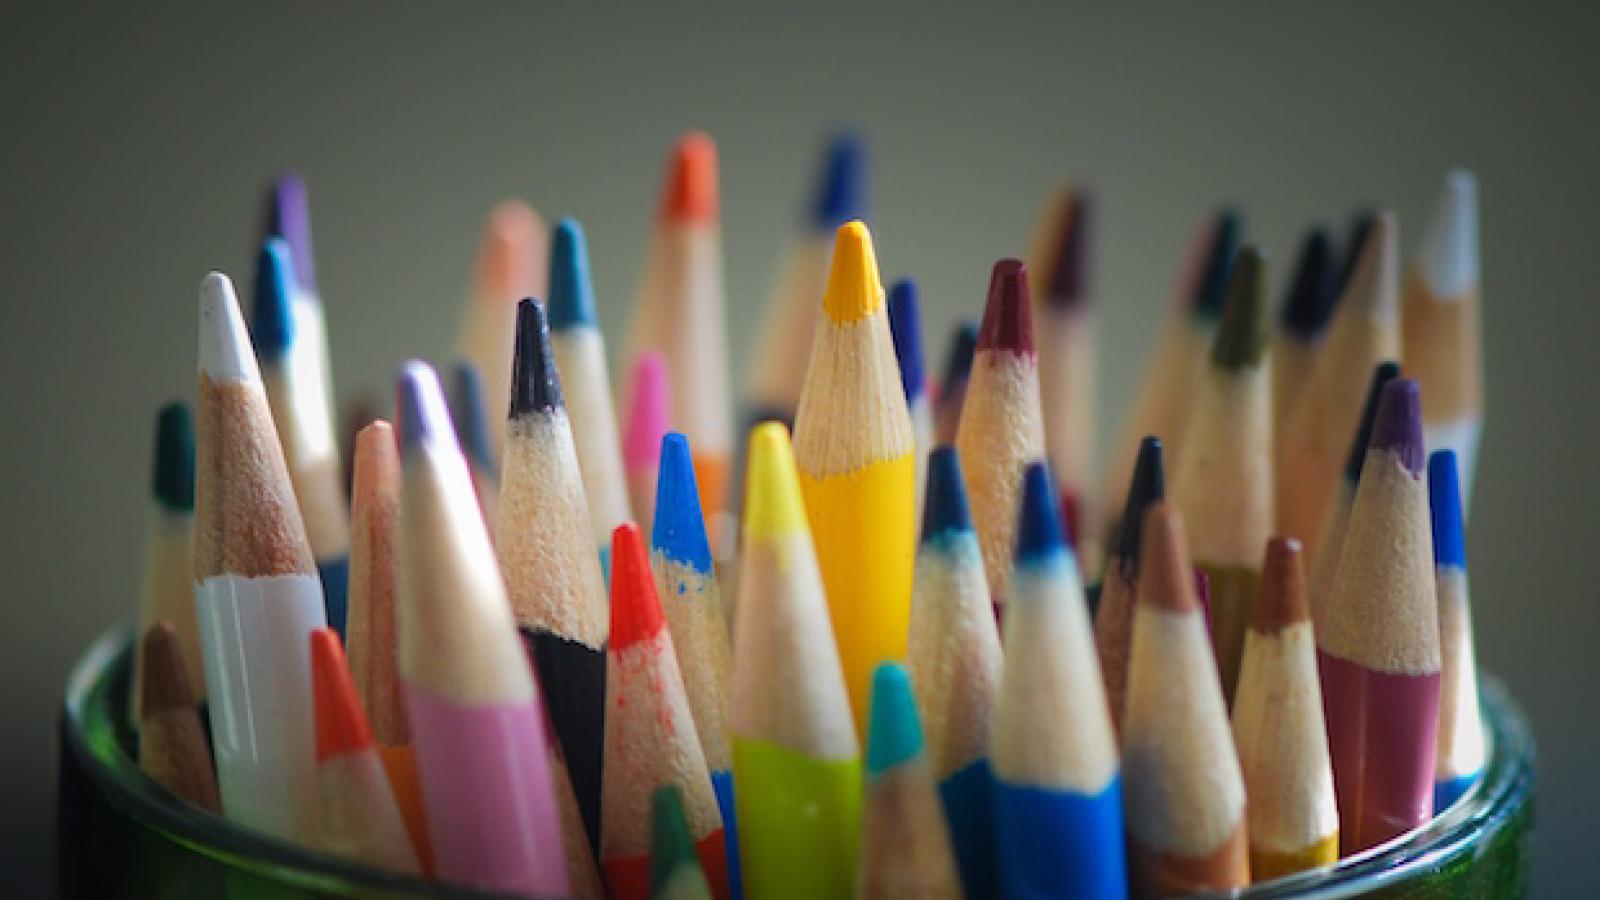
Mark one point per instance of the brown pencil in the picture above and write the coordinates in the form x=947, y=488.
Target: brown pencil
x=172, y=744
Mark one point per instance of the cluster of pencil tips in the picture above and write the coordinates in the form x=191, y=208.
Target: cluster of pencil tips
x=574, y=663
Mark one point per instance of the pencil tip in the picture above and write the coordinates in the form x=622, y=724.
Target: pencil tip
x=635, y=608
x=1212, y=287
x=420, y=407
x=1008, y=312
x=289, y=217
x=1068, y=279
x=1397, y=426
x=1281, y=598
x=470, y=414
x=649, y=414
x=173, y=480
x=272, y=317
x=341, y=725
x=571, y=288
x=772, y=490
x=905, y=326
x=166, y=682
x=1444, y=499
x=1039, y=532
x=1382, y=374
x=225, y=352
x=504, y=267
x=1448, y=254
x=1241, y=340
x=842, y=187
x=1314, y=290
x=679, y=529
x=1166, y=580
x=854, y=289
x=377, y=463
x=894, y=733
x=671, y=847
x=1374, y=283
x=535, y=384
x=945, y=505
x=1147, y=486
x=691, y=194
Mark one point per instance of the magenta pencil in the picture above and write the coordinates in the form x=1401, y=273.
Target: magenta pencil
x=648, y=419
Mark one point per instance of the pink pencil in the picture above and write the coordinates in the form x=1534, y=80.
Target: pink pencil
x=649, y=416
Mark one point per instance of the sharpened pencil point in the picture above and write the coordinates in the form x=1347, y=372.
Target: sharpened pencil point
x=895, y=733
x=1039, y=532
x=1008, y=314
x=419, y=402
x=905, y=325
x=469, y=412
x=1444, y=498
x=773, y=507
x=1149, y=485
x=1398, y=423
x=1212, y=289
x=1448, y=253
x=1242, y=338
x=571, y=288
x=166, y=681
x=945, y=507
x=225, y=352
x=272, y=317
x=691, y=194
x=289, y=217
x=1315, y=288
x=173, y=479
x=341, y=724
x=1069, y=279
x=842, y=188
x=1167, y=580
x=535, y=384
x=1281, y=599
x=1382, y=374
x=635, y=608
x=854, y=289
x=678, y=531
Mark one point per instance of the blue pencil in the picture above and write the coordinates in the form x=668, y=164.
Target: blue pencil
x=905, y=326
x=1058, y=796
x=1460, y=755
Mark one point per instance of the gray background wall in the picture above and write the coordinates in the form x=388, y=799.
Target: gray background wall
x=136, y=141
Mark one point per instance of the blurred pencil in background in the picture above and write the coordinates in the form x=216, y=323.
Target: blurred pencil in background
x=953, y=381
x=469, y=410
x=1462, y=745
x=1303, y=319
x=172, y=742
x=1119, y=590
x=905, y=326
x=648, y=418
x=167, y=593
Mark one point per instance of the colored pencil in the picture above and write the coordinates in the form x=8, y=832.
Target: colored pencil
x=905, y=326
x=1050, y=233
x=1058, y=798
x=1223, y=482
x=302, y=412
x=355, y=413
x=582, y=870
x=510, y=264
x=777, y=370
x=1312, y=441
x=648, y=419
x=257, y=595
x=469, y=409
x=1378, y=638
x=856, y=455
x=471, y=698
x=1355, y=240
x=289, y=218
x=1067, y=336
x=953, y=381
x=680, y=311
x=954, y=657
x=1330, y=538
x=905, y=846
x=172, y=742
x=1002, y=428
x=686, y=582
x=1442, y=328
x=1119, y=590
x=650, y=734
x=1184, y=789
x=1161, y=406
x=360, y=818
x=167, y=593
x=373, y=646
x=1278, y=727
x=675, y=872
x=796, y=763
x=1462, y=750
x=547, y=554
x=1303, y=320
x=580, y=351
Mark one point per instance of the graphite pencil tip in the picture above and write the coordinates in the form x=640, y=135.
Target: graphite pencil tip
x=945, y=506
x=855, y=290
x=772, y=491
x=469, y=412
x=1039, y=532
x=635, y=608
x=1444, y=499
x=842, y=185
x=1211, y=290
x=1242, y=338
x=1149, y=485
x=905, y=325
x=1397, y=426
x=1167, y=580
x=1069, y=278
x=341, y=725
x=678, y=531
x=1008, y=313
x=166, y=681
x=172, y=482
x=671, y=847
x=225, y=352
x=272, y=317
x=1382, y=374
x=420, y=406
x=571, y=288
x=1281, y=599
x=894, y=733
x=535, y=385
x=1448, y=254
x=958, y=356
x=289, y=217
x=1315, y=288
x=691, y=194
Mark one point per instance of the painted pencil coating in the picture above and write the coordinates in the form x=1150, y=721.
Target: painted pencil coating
x=1462, y=749
x=675, y=872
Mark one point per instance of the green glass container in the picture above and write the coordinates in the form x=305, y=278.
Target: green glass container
x=120, y=835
